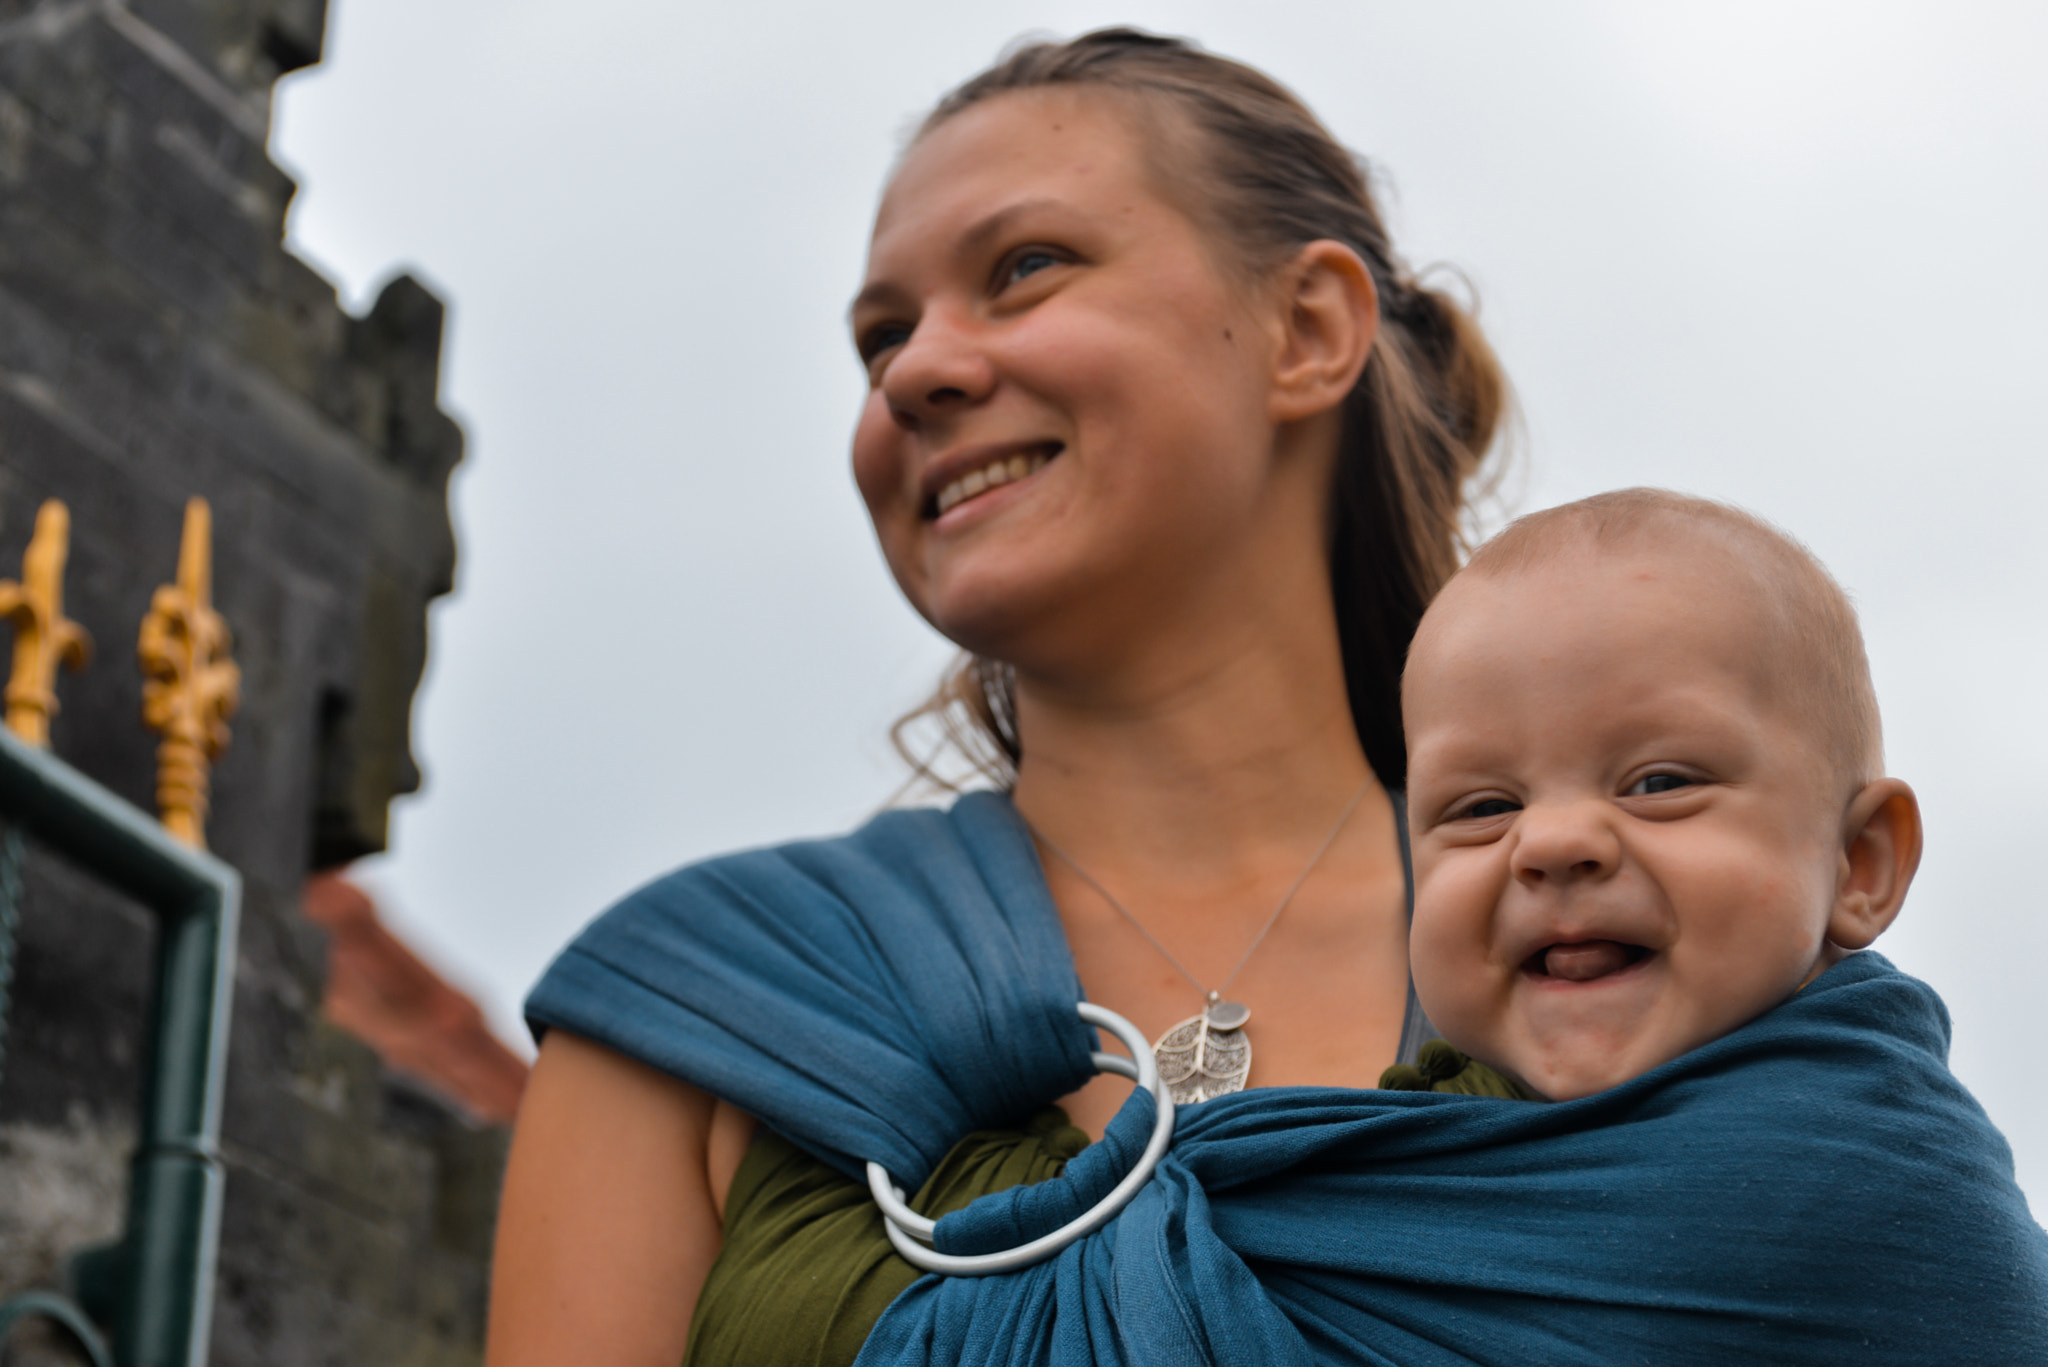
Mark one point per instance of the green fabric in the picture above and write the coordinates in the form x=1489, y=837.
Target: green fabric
x=1440, y=1068
x=807, y=1269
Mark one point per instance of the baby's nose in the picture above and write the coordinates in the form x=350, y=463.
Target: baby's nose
x=1564, y=842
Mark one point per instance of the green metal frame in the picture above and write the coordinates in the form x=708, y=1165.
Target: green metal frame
x=151, y=1290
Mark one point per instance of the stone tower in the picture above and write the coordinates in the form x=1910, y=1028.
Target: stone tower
x=158, y=342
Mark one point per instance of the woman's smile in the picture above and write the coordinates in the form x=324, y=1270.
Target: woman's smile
x=970, y=474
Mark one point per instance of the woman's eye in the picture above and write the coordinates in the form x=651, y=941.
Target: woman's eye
x=1659, y=783
x=1028, y=263
x=1487, y=809
x=880, y=338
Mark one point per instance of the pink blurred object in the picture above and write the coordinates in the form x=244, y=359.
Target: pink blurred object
x=382, y=993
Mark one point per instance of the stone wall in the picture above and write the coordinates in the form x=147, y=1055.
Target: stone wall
x=156, y=342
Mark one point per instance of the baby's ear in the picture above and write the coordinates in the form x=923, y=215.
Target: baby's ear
x=1880, y=851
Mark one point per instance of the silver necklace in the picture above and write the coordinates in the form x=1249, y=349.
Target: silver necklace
x=1208, y=1054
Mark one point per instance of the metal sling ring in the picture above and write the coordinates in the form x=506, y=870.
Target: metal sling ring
x=911, y=1233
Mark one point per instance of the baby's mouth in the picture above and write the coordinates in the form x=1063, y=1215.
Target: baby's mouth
x=1584, y=961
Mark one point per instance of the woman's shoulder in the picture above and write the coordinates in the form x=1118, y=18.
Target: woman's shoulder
x=771, y=977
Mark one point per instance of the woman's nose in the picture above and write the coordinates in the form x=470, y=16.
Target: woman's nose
x=1562, y=843
x=940, y=369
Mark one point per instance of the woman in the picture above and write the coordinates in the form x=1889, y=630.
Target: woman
x=1162, y=431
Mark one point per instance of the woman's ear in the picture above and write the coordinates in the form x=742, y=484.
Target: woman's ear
x=1880, y=851
x=1329, y=313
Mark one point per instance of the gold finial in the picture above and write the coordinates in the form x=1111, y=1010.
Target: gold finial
x=190, y=687
x=43, y=636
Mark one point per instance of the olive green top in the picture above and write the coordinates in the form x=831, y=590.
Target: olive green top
x=1440, y=1068
x=807, y=1268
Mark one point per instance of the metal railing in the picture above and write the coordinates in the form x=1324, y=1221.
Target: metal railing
x=146, y=1299
x=152, y=1288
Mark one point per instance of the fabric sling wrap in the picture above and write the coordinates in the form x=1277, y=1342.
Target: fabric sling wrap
x=1815, y=1187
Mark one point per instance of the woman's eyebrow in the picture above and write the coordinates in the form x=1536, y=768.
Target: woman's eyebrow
x=977, y=236
x=997, y=223
x=878, y=292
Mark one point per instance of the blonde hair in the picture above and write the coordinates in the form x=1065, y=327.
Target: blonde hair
x=1416, y=427
x=1816, y=643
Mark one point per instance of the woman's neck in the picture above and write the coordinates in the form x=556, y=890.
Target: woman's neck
x=1219, y=757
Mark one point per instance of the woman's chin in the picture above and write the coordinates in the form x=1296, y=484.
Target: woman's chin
x=992, y=628
x=993, y=600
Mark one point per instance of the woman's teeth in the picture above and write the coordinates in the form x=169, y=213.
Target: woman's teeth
x=1005, y=471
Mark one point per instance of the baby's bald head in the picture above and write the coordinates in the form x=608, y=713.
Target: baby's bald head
x=1813, y=649
x=1645, y=798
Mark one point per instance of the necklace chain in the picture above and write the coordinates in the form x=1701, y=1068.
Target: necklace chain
x=1216, y=994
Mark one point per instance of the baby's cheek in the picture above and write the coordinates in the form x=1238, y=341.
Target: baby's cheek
x=1763, y=928
x=1448, y=948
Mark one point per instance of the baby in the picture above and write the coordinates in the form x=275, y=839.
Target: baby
x=1645, y=788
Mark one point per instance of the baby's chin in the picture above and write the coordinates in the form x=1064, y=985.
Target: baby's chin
x=1570, y=1079
x=1569, y=1039
x=1585, y=1017
x=1566, y=1064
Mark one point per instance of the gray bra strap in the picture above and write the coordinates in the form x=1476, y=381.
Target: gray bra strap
x=1416, y=1030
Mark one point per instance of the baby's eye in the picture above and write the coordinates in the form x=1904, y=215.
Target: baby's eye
x=1659, y=783
x=1486, y=809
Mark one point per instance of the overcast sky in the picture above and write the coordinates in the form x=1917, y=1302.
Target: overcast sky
x=1788, y=254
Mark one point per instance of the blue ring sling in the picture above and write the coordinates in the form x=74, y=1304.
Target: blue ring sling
x=1815, y=1188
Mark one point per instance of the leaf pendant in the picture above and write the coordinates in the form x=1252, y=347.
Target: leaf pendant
x=1207, y=1055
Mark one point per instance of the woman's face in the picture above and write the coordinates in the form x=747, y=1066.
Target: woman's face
x=1068, y=428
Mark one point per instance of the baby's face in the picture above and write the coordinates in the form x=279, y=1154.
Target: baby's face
x=1625, y=844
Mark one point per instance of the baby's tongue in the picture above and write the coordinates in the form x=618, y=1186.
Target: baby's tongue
x=1586, y=960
